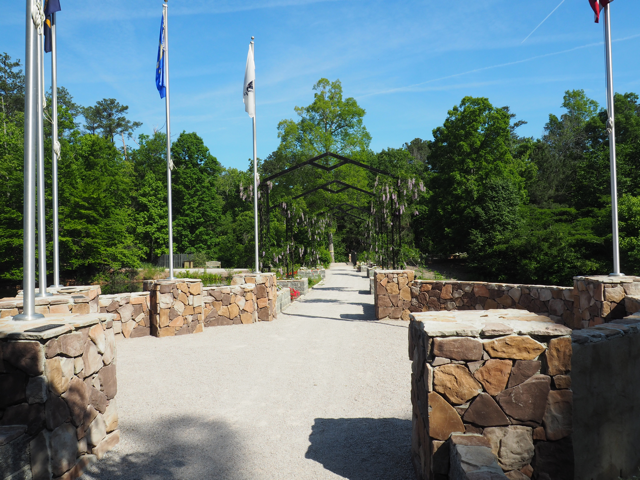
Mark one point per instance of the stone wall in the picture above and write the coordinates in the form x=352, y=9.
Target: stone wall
x=266, y=292
x=176, y=307
x=131, y=313
x=58, y=386
x=283, y=299
x=600, y=299
x=606, y=384
x=301, y=285
x=430, y=295
x=504, y=375
x=230, y=305
x=591, y=301
x=81, y=300
x=311, y=272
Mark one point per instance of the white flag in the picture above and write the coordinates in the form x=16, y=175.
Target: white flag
x=248, y=91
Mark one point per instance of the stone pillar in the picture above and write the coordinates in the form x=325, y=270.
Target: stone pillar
x=176, y=307
x=504, y=375
x=392, y=296
x=58, y=386
x=333, y=258
x=600, y=298
x=266, y=292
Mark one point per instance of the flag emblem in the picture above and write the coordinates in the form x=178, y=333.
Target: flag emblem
x=160, y=77
x=596, y=5
x=248, y=90
x=50, y=7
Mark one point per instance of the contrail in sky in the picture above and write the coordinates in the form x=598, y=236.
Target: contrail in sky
x=545, y=19
x=491, y=67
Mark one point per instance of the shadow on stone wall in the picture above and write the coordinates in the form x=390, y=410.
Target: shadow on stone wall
x=178, y=448
x=363, y=448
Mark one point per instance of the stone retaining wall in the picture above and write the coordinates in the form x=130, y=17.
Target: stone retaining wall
x=266, y=292
x=58, y=408
x=131, y=313
x=230, y=305
x=502, y=374
x=176, y=307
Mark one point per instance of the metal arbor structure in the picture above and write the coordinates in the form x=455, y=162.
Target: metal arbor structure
x=392, y=244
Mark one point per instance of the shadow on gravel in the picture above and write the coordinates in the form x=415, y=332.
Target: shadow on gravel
x=363, y=448
x=185, y=447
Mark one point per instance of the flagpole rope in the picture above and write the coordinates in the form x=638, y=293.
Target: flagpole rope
x=37, y=15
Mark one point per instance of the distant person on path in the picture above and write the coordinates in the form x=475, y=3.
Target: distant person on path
x=353, y=257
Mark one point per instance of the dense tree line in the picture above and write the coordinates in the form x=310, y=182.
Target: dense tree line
x=515, y=208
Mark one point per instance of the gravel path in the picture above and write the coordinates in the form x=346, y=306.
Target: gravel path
x=322, y=392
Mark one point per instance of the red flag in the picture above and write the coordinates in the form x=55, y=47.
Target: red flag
x=595, y=4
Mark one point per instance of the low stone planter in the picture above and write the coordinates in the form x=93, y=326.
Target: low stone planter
x=58, y=386
x=302, y=285
x=546, y=399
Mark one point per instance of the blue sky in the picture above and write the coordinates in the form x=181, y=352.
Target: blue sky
x=407, y=63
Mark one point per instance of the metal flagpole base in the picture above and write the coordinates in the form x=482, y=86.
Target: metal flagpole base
x=616, y=275
x=23, y=317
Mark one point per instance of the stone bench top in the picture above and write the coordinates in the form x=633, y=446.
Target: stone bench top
x=476, y=323
x=17, y=330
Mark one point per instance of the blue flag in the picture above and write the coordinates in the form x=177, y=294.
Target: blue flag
x=50, y=7
x=160, y=64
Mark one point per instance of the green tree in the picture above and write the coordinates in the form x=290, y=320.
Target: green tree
x=11, y=195
x=559, y=153
x=150, y=197
x=197, y=206
x=470, y=155
x=11, y=86
x=108, y=118
x=329, y=124
x=96, y=227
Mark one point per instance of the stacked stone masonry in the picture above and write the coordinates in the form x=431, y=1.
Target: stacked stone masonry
x=266, y=293
x=76, y=300
x=176, y=307
x=58, y=389
x=230, y=305
x=131, y=313
x=591, y=301
x=502, y=374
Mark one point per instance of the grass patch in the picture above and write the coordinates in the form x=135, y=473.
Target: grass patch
x=148, y=271
x=314, y=281
x=208, y=279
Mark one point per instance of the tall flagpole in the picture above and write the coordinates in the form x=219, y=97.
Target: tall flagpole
x=29, y=217
x=42, y=244
x=169, y=163
x=55, y=154
x=255, y=179
x=612, y=142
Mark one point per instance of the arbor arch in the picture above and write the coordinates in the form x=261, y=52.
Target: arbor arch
x=374, y=217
